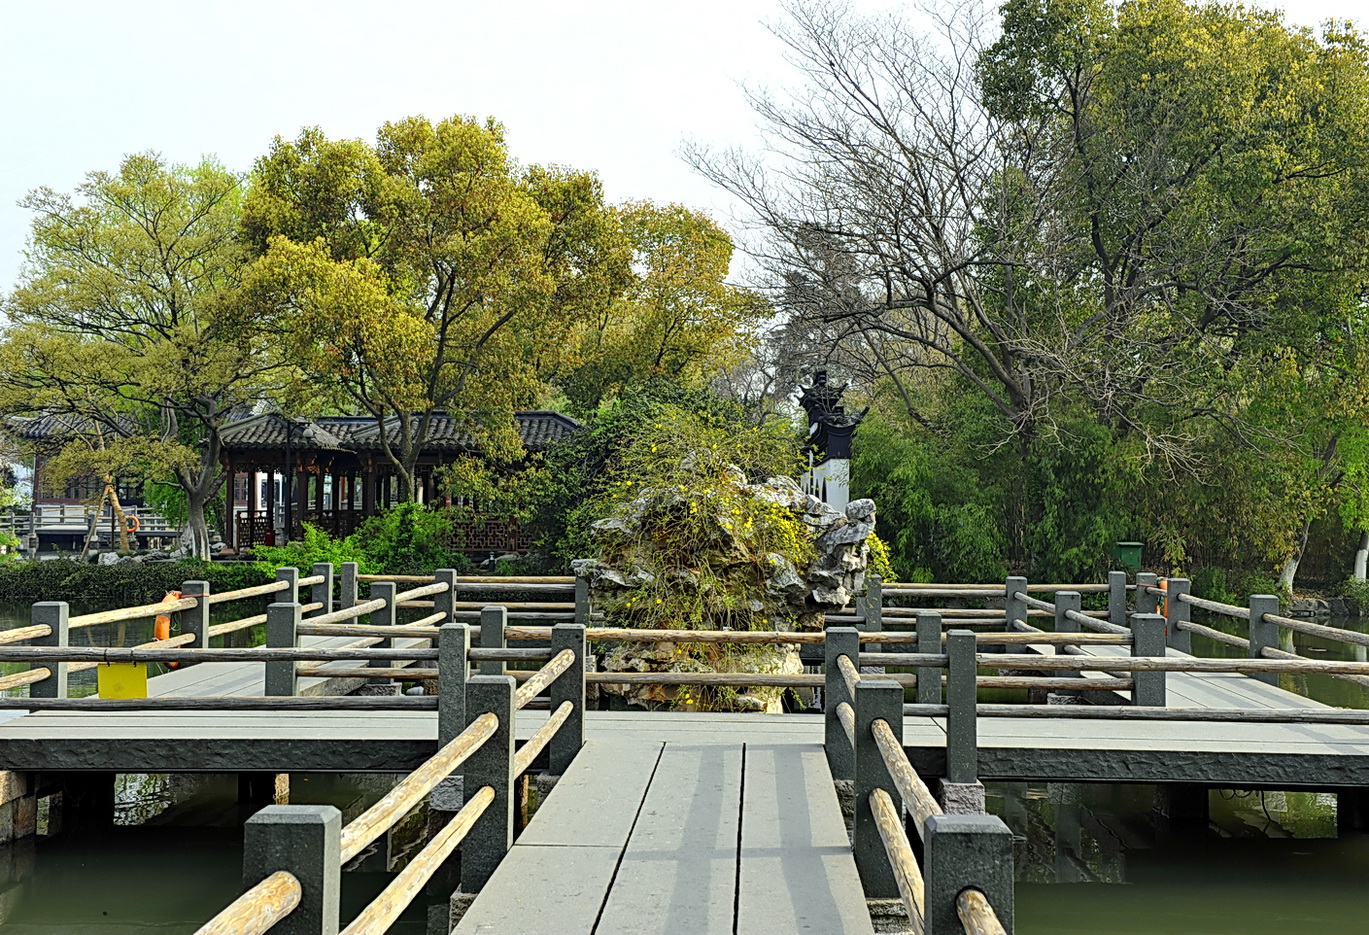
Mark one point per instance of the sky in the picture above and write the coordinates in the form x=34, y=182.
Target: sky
x=609, y=85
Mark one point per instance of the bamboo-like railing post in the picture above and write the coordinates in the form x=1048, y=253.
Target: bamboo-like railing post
x=1148, y=639
x=1263, y=633
x=322, y=593
x=492, y=765
x=282, y=632
x=1177, y=611
x=1117, y=598
x=841, y=641
x=568, y=686
x=1146, y=602
x=1014, y=608
x=195, y=620
x=493, y=620
x=382, y=617
x=582, y=606
x=929, y=641
x=445, y=602
x=54, y=615
x=303, y=840
x=961, y=852
x=962, y=733
x=876, y=700
x=347, y=591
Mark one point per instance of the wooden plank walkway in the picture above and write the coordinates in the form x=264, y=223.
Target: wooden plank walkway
x=715, y=836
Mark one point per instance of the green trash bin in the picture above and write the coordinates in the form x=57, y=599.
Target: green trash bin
x=1127, y=555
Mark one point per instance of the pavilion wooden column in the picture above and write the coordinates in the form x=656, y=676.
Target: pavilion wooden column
x=230, y=509
x=301, y=504
x=253, y=499
x=368, y=492
x=318, y=493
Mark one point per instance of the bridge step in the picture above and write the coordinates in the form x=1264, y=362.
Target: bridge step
x=652, y=837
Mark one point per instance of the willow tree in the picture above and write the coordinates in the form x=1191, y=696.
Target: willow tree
x=118, y=325
x=427, y=275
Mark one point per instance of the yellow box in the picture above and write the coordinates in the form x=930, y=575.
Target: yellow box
x=122, y=679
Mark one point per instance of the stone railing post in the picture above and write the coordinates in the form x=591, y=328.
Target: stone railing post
x=289, y=594
x=347, y=589
x=282, y=632
x=929, y=641
x=1178, y=612
x=875, y=701
x=962, y=852
x=1117, y=598
x=1263, y=633
x=492, y=765
x=840, y=641
x=1148, y=640
x=445, y=603
x=1146, y=602
x=568, y=686
x=493, y=621
x=582, y=605
x=195, y=620
x=384, y=617
x=53, y=614
x=306, y=841
x=453, y=668
x=322, y=593
x=1014, y=608
x=962, y=698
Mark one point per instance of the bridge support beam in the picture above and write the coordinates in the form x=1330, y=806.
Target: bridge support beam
x=18, y=805
x=1352, y=811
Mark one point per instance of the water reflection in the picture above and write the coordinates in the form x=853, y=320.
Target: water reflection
x=1261, y=863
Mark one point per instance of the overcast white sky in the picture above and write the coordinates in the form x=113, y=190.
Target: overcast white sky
x=608, y=85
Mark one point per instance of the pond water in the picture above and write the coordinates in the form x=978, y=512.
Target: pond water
x=1090, y=859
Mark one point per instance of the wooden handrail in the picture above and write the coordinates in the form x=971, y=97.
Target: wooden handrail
x=540, y=738
x=1159, y=664
x=233, y=626
x=395, y=898
x=906, y=872
x=427, y=590
x=312, y=579
x=846, y=715
x=849, y=674
x=349, y=613
x=1316, y=629
x=1033, y=602
x=1092, y=623
x=226, y=703
x=888, y=586
x=917, y=798
x=714, y=679
x=1269, y=652
x=256, y=654
x=169, y=643
x=1227, y=639
x=19, y=679
x=542, y=678
x=410, y=790
x=977, y=914
x=1217, y=607
x=258, y=909
x=254, y=591
x=20, y=634
x=131, y=613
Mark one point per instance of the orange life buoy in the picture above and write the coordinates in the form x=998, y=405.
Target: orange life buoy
x=132, y=523
x=161, y=625
x=1164, y=601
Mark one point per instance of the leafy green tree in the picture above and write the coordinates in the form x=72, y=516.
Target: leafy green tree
x=677, y=319
x=426, y=274
x=118, y=324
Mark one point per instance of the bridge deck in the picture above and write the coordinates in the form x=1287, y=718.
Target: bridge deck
x=713, y=836
x=1046, y=749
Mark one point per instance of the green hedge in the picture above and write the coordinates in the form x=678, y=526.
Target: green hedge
x=66, y=580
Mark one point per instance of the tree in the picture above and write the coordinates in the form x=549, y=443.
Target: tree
x=1095, y=211
x=118, y=325
x=677, y=319
x=427, y=274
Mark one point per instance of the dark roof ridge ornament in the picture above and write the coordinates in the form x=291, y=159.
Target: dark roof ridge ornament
x=830, y=426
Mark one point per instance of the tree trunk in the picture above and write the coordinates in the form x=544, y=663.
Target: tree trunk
x=197, y=526
x=1290, y=567
x=1362, y=555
